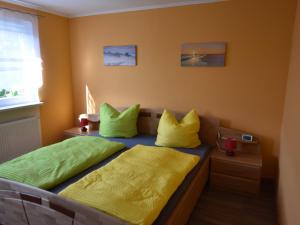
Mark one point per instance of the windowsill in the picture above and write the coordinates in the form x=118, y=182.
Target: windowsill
x=19, y=106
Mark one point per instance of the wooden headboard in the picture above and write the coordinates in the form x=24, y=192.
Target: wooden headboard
x=149, y=119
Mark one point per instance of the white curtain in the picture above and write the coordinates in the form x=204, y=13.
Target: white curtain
x=20, y=61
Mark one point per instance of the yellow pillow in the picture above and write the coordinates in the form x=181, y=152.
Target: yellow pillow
x=171, y=133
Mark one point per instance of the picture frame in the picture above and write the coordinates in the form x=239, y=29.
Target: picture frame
x=124, y=55
x=205, y=54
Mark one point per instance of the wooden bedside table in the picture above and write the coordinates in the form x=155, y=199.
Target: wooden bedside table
x=241, y=172
x=76, y=131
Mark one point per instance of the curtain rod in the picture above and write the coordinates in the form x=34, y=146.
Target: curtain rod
x=20, y=11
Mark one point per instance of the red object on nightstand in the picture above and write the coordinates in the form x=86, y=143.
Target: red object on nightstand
x=230, y=146
x=84, y=122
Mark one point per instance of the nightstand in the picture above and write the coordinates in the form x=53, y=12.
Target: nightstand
x=76, y=131
x=241, y=173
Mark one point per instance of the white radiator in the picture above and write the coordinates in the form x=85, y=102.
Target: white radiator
x=19, y=137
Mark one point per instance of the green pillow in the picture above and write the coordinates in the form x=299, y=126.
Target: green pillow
x=118, y=124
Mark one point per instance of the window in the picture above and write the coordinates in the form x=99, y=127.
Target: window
x=20, y=62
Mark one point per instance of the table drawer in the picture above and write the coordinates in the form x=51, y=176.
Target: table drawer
x=234, y=169
x=234, y=183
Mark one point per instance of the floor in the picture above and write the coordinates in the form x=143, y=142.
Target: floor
x=217, y=207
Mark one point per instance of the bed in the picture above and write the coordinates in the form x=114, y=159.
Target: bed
x=23, y=204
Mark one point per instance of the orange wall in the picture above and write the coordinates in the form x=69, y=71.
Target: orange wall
x=57, y=111
x=289, y=182
x=247, y=94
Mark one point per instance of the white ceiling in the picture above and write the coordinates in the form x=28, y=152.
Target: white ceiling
x=77, y=8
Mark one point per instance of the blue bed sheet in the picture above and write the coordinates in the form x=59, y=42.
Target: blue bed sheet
x=202, y=151
x=150, y=141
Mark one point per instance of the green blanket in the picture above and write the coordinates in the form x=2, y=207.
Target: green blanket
x=49, y=166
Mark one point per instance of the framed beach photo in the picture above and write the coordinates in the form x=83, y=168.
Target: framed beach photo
x=211, y=54
x=120, y=55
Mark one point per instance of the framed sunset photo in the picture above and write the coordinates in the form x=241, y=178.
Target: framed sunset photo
x=210, y=54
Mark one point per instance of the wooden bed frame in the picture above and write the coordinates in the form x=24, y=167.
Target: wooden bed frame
x=22, y=204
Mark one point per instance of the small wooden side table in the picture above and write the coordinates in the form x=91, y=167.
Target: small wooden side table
x=241, y=173
x=76, y=131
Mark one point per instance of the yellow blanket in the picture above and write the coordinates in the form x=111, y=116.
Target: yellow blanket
x=135, y=186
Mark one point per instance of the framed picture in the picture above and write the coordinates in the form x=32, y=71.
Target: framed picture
x=119, y=55
x=211, y=54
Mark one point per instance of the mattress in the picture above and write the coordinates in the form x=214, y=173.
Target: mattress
x=202, y=151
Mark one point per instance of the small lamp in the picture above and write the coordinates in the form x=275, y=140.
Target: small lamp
x=93, y=121
x=84, y=122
